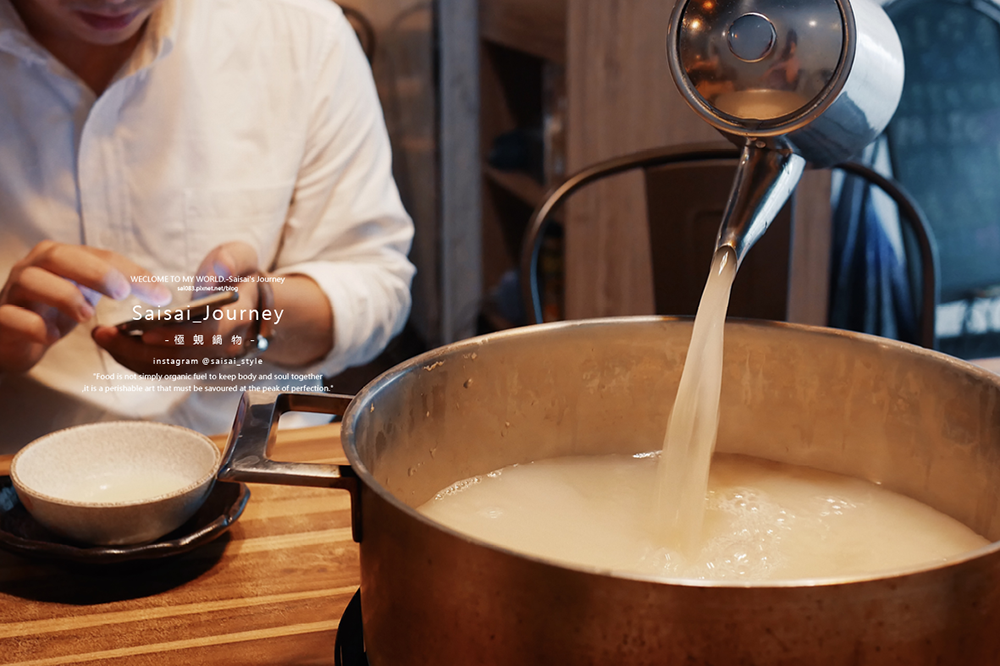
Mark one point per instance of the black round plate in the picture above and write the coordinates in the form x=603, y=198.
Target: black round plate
x=23, y=535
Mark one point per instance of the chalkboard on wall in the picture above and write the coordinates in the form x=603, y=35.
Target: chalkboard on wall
x=945, y=136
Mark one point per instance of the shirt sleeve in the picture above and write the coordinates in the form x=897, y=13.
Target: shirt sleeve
x=347, y=228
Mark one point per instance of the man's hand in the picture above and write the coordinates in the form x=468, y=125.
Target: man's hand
x=230, y=260
x=56, y=287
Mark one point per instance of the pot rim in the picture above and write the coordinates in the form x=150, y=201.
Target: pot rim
x=366, y=398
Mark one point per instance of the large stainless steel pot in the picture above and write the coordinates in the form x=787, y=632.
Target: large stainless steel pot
x=920, y=423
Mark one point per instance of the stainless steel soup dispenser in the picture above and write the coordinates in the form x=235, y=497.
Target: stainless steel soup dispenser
x=793, y=82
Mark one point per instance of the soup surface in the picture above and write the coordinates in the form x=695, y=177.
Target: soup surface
x=763, y=520
x=124, y=486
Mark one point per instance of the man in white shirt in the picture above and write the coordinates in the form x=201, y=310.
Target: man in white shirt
x=184, y=139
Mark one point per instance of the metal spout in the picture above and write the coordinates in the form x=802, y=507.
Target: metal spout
x=764, y=180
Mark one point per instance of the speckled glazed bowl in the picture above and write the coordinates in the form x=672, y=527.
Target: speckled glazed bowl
x=115, y=483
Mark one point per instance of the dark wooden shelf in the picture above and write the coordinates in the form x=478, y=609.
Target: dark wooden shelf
x=523, y=53
x=537, y=27
x=518, y=184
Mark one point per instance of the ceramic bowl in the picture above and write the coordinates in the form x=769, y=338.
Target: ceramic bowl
x=115, y=483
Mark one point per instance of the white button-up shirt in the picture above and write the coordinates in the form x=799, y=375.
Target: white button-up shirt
x=249, y=120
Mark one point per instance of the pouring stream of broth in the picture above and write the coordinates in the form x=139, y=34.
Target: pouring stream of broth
x=690, y=438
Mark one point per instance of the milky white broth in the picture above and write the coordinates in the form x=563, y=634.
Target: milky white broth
x=122, y=486
x=763, y=520
x=679, y=505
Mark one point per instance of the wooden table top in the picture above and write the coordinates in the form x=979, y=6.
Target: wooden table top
x=269, y=591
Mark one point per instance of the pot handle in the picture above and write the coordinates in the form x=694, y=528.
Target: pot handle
x=253, y=434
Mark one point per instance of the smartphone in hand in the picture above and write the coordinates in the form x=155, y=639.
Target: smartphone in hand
x=193, y=312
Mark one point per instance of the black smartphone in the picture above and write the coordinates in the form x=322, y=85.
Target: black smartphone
x=190, y=313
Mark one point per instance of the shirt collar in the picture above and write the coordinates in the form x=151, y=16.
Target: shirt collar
x=14, y=37
x=157, y=42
